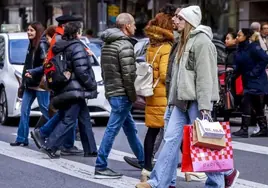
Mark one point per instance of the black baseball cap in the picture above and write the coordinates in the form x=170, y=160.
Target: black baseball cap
x=68, y=18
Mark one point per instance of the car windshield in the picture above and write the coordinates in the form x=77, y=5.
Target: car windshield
x=95, y=49
x=18, y=50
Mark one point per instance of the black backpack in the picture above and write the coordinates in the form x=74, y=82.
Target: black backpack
x=57, y=73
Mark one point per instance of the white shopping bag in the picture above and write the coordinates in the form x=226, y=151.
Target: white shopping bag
x=210, y=129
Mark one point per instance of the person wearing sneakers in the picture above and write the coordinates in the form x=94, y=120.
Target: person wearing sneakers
x=193, y=89
x=119, y=73
x=160, y=33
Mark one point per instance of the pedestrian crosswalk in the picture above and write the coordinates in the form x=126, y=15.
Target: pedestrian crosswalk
x=86, y=171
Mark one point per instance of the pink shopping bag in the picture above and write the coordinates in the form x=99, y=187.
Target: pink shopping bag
x=208, y=160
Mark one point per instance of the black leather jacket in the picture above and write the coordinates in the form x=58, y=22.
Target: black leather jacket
x=34, y=59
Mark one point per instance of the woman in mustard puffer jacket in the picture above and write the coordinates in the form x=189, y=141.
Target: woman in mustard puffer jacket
x=160, y=32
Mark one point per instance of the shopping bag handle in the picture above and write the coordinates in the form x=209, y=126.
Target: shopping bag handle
x=207, y=116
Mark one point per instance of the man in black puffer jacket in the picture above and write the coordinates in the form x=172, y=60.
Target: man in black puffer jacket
x=70, y=100
x=119, y=73
x=82, y=83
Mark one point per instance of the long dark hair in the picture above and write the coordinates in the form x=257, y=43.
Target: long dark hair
x=39, y=28
x=247, y=32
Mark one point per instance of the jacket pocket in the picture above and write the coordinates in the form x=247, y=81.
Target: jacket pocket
x=186, y=87
x=189, y=65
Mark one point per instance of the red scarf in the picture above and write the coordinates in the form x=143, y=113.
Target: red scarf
x=50, y=54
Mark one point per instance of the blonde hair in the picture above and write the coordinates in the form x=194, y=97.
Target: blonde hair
x=255, y=37
x=184, y=39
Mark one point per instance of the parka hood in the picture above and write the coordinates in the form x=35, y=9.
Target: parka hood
x=61, y=45
x=114, y=34
x=202, y=29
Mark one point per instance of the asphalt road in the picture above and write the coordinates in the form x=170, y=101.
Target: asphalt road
x=29, y=168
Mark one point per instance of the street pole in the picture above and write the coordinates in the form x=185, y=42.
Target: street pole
x=102, y=16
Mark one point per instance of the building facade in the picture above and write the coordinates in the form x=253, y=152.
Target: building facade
x=100, y=14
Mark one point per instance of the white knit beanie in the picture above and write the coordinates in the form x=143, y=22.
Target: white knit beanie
x=192, y=15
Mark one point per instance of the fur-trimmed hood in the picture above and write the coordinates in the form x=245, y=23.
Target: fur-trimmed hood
x=159, y=34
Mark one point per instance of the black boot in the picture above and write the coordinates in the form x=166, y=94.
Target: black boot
x=243, y=132
x=263, y=127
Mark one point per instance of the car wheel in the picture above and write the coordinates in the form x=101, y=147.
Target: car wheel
x=102, y=121
x=3, y=107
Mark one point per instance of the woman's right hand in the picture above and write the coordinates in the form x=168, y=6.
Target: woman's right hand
x=28, y=75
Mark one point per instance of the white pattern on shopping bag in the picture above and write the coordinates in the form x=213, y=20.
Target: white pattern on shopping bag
x=205, y=159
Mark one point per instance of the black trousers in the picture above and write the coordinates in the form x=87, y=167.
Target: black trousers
x=149, y=147
x=253, y=103
x=70, y=114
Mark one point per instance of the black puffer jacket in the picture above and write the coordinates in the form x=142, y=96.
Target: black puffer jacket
x=82, y=84
x=34, y=58
x=118, y=64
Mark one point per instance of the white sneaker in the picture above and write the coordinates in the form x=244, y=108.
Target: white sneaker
x=257, y=129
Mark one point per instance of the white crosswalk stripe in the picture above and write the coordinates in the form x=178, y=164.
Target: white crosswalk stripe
x=65, y=166
x=86, y=172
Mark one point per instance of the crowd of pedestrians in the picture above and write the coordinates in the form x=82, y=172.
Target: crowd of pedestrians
x=185, y=81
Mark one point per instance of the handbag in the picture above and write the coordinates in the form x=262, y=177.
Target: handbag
x=212, y=143
x=21, y=91
x=208, y=128
x=200, y=159
x=239, y=90
x=43, y=84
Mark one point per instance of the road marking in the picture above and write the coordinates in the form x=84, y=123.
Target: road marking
x=64, y=166
x=118, y=156
x=236, y=145
x=250, y=148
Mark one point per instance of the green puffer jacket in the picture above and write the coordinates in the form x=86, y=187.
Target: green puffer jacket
x=118, y=64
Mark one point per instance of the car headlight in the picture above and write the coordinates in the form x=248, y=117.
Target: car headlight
x=100, y=83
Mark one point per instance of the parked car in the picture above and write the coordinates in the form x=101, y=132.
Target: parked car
x=94, y=44
x=99, y=108
x=13, y=50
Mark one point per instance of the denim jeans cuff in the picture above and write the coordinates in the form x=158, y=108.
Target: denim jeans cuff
x=42, y=134
x=21, y=139
x=99, y=168
x=151, y=182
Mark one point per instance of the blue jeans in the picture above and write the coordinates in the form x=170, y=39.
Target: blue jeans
x=29, y=96
x=165, y=169
x=48, y=128
x=167, y=116
x=67, y=124
x=120, y=117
